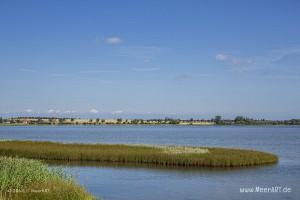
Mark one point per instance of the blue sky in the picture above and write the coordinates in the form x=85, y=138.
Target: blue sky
x=150, y=58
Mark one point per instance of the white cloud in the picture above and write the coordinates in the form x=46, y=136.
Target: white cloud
x=232, y=60
x=94, y=111
x=221, y=57
x=53, y=111
x=270, y=62
x=113, y=40
x=149, y=69
x=69, y=112
x=29, y=110
x=117, y=112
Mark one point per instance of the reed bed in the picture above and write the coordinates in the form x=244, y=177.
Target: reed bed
x=143, y=154
x=24, y=179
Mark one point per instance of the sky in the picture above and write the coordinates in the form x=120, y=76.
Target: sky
x=150, y=58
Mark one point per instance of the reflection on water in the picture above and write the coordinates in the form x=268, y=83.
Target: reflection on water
x=115, y=181
x=151, y=167
x=129, y=182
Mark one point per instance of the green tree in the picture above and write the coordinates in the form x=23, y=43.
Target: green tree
x=52, y=121
x=239, y=119
x=174, y=121
x=218, y=119
x=119, y=120
x=134, y=121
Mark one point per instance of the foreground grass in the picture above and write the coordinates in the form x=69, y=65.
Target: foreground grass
x=143, y=154
x=22, y=179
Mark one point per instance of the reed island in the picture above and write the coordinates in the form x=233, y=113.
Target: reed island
x=179, y=156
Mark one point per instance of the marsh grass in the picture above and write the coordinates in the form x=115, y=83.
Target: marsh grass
x=22, y=179
x=140, y=154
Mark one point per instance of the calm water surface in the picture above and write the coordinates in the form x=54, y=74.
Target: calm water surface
x=128, y=182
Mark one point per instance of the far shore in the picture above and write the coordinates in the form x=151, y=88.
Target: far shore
x=217, y=120
x=153, y=125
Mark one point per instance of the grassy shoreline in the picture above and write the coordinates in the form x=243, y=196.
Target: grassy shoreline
x=139, y=154
x=23, y=179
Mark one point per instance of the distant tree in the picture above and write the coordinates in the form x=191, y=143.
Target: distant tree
x=60, y=120
x=52, y=120
x=218, y=119
x=134, y=121
x=97, y=120
x=239, y=118
x=72, y=119
x=1, y=120
x=91, y=120
x=174, y=121
x=119, y=120
x=103, y=121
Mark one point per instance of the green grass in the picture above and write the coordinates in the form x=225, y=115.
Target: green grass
x=138, y=154
x=23, y=179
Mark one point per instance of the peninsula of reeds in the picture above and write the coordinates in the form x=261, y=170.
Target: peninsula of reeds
x=138, y=154
x=25, y=179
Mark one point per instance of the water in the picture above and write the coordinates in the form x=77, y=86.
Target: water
x=132, y=182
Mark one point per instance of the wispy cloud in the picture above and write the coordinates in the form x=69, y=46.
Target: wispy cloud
x=116, y=112
x=282, y=76
x=98, y=71
x=94, y=111
x=146, y=69
x=279, y=54
x=189, y=76
x=69, y=112
x=51, y=111
x=221, y=57
x=113, y=40
x=180, y=77
x=28, y=110
x=274, y=62
x=232, y=59
x=57, y=75
x=145, y=53
x=28, y=70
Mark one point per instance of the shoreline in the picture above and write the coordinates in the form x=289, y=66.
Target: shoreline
x=180, y=125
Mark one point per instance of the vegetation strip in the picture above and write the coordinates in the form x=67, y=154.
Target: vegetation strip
x=23, y=179
x=217, y=120
x=143, y=154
